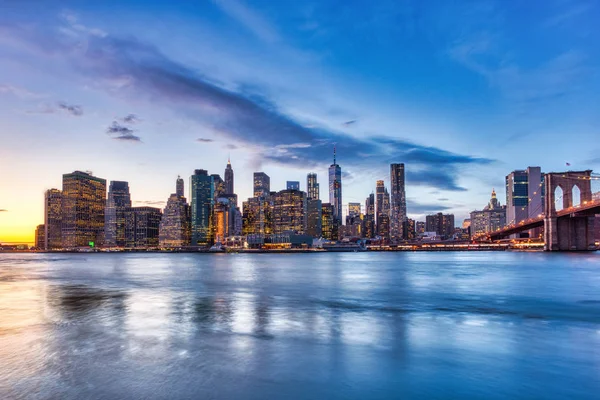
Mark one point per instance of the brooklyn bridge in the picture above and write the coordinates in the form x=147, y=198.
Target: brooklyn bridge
x=569, y=213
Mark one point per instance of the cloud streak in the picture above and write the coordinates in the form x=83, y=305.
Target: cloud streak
x=276, y=137
x=72, y=109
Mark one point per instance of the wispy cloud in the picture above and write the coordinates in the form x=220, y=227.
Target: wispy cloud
x=349, y=123
x=204, y=140
x=121, y=132
x=251, y=19
x=19, y=92
x=274, y=136
x=130, y=119
x=72, y=109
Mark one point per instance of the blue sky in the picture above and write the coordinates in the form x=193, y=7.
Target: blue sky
x=461, y=92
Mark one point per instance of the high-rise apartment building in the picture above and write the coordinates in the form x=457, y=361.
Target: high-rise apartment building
x=202, y=192
x=335, y=189
x=370, y=216
x=114, y=217
x=289, y=212
x=312, y=187
x=328, y=223
x=257, y=216
x=398, y=202
x=175, y=224
x=83, y=204
x=262, y=185
x=52, y=219
x=142, y=227
x=441, y=224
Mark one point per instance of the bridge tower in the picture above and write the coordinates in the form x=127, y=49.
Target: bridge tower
x=572, y=231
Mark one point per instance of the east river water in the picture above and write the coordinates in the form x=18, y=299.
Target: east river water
x=443, y=325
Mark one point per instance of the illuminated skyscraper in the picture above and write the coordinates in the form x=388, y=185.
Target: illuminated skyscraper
x=370, y=216
x=398, y=201
x=328, y=225
x=257, y=216
x=114, y=218
x=383, y=210
x=229, y=189
x=262, y=185
x=219, y=185
x=175, y=224
x=224, y=218
x=142, y=227
x=179, y=190
x=525, y=197
x=83, y=203
x=53, y=219
x=335, y=190
x=312, y=187
x=441, y=224
x=40, y=238
x=314, y=217
x=202, y=201
x=289, y=211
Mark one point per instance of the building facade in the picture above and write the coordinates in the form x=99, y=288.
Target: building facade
x=229, y=187
x=289, y=212
x=491, y=218
x=175, y=224
x=312, y=187
x=292, y=185
x=328, y=225
x=383, y=210
x=142, y=226
x=257, y=216
x=52, y=219
x=202, y=192
x=314, y=218
x=40, y=237
x=398, y=202
x=114, y=217
x=83, y=203
x=262, y=185
x=370, y=230
x=441, y=224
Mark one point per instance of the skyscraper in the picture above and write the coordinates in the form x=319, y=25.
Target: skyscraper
x=257, y=216
x=353, y=209
x=314, y=217
x=383, y=210
x=370, y=216
x=262, y=185
x=114, y=218
x=312, y=187
x=175, y=229
x=52, y=219
x=398, y=201
x=84, y=200
x=491, y=218
x=219, y=185
x=202, y=191
x=40, y=237
x=328, y=225
x=179, y=191
x=142, y=226
x=525, y=197
x=335, y=190
x=441, y=224
x=289, y=211
x=229, y=178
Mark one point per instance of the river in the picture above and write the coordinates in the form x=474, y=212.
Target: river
x=439, y=325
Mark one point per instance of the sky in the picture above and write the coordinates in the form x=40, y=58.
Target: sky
x=143, y=91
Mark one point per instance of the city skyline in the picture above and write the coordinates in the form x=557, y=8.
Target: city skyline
x=83, y=89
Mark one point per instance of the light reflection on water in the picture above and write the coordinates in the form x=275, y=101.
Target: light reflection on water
x=377, y=325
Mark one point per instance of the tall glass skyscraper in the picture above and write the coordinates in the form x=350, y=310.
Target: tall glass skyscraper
x=335, y=190
x=229, y=178
x=114, y=218
x=52, y=219
x=84, y=200
x=262, y=185
x=202, y=190
x=312, y=186
x=398, y=201
x=175, y=228
x=370, y=216
x=383, y=210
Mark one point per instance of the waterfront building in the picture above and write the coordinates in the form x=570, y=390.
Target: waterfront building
x=524, y=195
x=175, y=224
x=292, y=185
x=83, y=203
x=420, y=227
x=142, y=227
x=262, y=185
x=491, y=218
x=314, y=218
x=398, y=202
x=369, y=220
x=409, y=229
x=114, y=217
x=383, y=210
x=52, y=219
x=441, y=224
x=40, y=239
x=312, y=187
x=257, y=216
x=335, y=190
x=202, y=201
x=289, y=211
x=229, y=188
x=328, y=225
x=224, y=218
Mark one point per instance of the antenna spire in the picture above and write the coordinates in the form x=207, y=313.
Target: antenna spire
x=334, y=154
